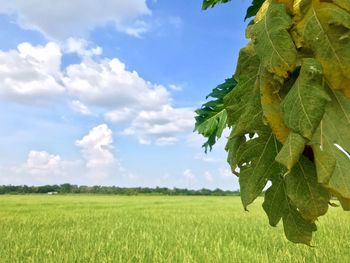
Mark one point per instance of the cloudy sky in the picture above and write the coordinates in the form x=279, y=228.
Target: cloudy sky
x=103, y=92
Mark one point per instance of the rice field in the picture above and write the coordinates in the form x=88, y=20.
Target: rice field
x=156, y=229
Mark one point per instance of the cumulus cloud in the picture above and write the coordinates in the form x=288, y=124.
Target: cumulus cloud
x=162, y=124
x=109, y=84
x=39, y=166
x=97, y=150
x=98, y=162
x=31, y=74
x=45, y=167
x=43, y=163
x=63, y=19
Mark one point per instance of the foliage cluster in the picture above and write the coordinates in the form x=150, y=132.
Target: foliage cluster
x=288, y=108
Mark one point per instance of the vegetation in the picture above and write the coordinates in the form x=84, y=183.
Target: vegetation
x=288, y=107
x=112, y=190
x=125, y=229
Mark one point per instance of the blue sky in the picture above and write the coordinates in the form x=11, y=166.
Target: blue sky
x=104, y=94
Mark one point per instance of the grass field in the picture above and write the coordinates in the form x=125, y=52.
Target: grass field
x=156, y=229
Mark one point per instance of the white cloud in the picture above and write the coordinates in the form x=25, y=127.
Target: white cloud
x=175, y=87
x=164, y=123
x=109, y=84
x=118, y=115
x=43, y=163
x=166, y=141
x=44, y=167
x=41, y=167
x=144, y=141
x=63, y=19
x=81, y=47
x=77, y=106
x=135, y=29
x=97, y=150
x=31, y=74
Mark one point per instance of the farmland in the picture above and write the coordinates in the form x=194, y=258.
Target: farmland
x=40, y=228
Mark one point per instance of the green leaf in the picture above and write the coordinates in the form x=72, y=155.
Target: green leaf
x=275, y=201
x=256, y=160
x=296, y=228
x=242, y=103
x=291, y=151
x=211, y=3
x=273, y=43
x=304, y=105
x=254, y=8
x=277, y=205
x=232, y=146
x=332, y=163
x=212, y=117
x=310, y=197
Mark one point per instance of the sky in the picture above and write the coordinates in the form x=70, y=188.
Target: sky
x=103, y=92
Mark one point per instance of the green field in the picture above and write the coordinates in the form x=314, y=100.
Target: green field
x=156, y=229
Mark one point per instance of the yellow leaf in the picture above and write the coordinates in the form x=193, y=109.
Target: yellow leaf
x=325, y=30
x=270, y=102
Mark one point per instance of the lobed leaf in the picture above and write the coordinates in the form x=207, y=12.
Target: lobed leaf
x=296, y=228
x=256, y=160
x=277, y=205
x=211, y=118
x=305, y=192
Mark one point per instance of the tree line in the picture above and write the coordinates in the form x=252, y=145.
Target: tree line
x=110, y=190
